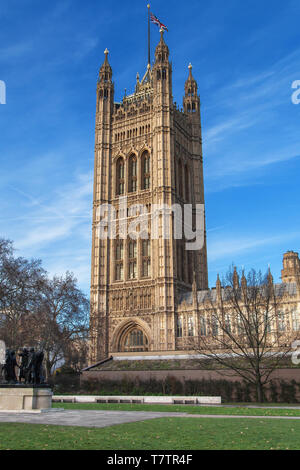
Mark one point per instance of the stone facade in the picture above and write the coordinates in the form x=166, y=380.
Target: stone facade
x=146, y=296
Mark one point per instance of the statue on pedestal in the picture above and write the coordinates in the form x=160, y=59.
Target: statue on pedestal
x=24, y=355
x=10, y=367
x=34, y=368
x=30, y=366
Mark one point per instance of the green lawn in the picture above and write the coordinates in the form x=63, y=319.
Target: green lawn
x=160, y=434
x=204, y=410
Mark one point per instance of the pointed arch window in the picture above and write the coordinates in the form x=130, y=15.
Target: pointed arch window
x=136, y=341
x=146, y=258
x=145, y=170
x=295, y=321
x=120, y=177
x=179, y=327
x=214, y=326
x=191, y=326
x=119, y=260
x=203, y=328
x=281, y=322
x=132, y=174
x=132, y=259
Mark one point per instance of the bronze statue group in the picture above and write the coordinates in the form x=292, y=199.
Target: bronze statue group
x=30, y=367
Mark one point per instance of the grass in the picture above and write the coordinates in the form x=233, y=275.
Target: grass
x=204, y=410
x=160, y=434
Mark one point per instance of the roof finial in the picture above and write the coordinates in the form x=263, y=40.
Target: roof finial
x=106, y=52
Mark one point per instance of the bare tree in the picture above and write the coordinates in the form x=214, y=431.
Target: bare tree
x=61, y=321
x=245, y=327
x=20, y=283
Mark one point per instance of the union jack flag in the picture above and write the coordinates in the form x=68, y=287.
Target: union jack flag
x=155, y=20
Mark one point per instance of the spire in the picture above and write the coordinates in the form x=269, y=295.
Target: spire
x=219, y=289
x=191, y=101
x=162, y=51
x=191, y=87
x=105, y=73
x=236, y=280
x=270, y=277
x=244, y=281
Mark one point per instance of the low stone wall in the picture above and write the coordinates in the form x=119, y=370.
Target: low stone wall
x=130, y=399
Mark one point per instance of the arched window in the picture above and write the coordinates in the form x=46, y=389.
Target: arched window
x=132, y=259
x=136, y=341
x=227, y=324
x=119, y=259
x=179, y=327
x=146, y=258
x=203, y=329
x=132, y=174
x=214, y=326
x=191, y=326
x=295, y=320
x=281, y=322
x=145, y=170
x=120, y=189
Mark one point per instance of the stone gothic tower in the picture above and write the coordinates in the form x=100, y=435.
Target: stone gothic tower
x=149, y=153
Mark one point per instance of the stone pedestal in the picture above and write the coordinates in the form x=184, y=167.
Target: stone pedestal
x=14, y=398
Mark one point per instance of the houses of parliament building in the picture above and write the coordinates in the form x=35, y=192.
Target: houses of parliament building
x=147, y=295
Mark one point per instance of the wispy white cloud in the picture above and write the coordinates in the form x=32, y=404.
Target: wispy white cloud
x=249, y=111
x=68, y=209
x=232, y=246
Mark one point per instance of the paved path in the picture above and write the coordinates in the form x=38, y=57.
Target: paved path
x=102, y=419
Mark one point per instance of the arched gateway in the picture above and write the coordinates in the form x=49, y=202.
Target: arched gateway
x=131, y=336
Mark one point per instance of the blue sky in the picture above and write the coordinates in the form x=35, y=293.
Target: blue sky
x=245, y=56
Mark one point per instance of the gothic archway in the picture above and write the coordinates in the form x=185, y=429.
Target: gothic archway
x=131, y=337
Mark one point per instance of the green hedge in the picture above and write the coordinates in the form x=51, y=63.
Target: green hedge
x=276, y=391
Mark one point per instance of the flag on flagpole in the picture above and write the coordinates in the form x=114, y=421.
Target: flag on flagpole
x=156, y=21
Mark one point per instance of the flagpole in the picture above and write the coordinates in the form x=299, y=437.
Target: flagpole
x=149, y=51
